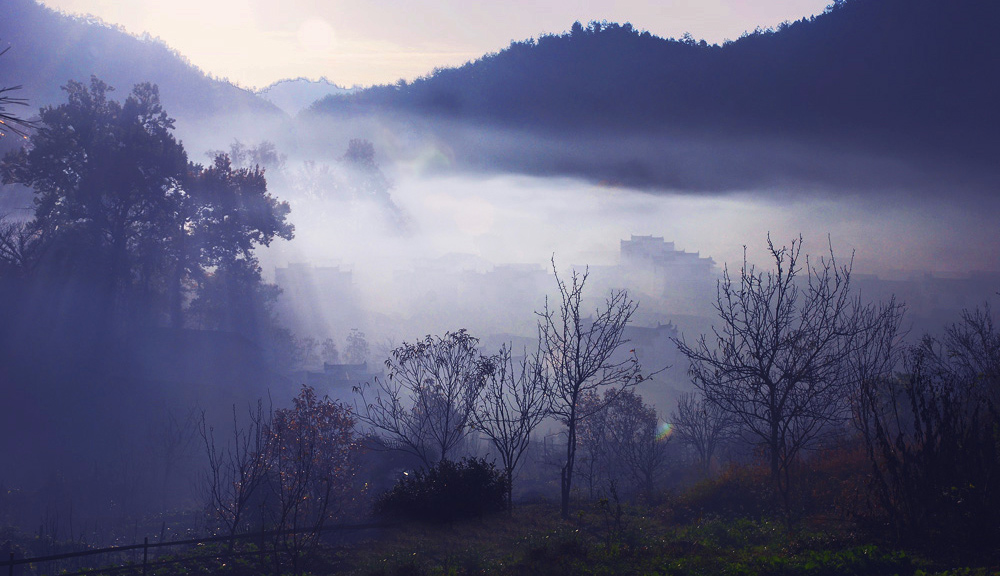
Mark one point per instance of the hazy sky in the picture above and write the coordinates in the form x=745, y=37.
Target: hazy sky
x=256, y=42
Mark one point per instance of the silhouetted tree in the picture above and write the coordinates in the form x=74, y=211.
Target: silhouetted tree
x=293, y=466
x=595, y=462
x=513, y=403
x=631, y=426
x=581, y=355
x=238, y=470
x=263, y=156
x=313, y=452
x=118, y=203
x=230, y=214
x=701, y=425
x=21, y=248
x=931, y=433
x=620, y=443
x=778, y=363
x=426, y=403
x=107, y=179
x=364, y=179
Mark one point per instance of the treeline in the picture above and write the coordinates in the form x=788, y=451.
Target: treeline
x=845, y=414
x=886, y=74
x=130, y=294
x=811, y=405
x=126, y=231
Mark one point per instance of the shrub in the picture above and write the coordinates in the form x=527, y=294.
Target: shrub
x=446, y=492
x=738, y=492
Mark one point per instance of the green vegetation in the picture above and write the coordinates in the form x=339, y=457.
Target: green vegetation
x=602, y=539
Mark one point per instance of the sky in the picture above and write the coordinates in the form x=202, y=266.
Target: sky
x=363, y=42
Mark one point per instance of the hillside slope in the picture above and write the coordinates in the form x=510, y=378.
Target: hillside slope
x=914, y=80
x=48, y=48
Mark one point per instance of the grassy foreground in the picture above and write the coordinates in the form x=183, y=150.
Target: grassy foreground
x=601, y=540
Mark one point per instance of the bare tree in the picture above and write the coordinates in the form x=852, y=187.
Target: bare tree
x=594, y=462
x=237, y=471
x=426, y=403
x=620, y=443
x=514, y=402
x=632, y=431
x=973, y=346
x=777, y=362
x=583, y=356
x=872, y=367
x=702, y=426
x=931, y=433
x=20, y=247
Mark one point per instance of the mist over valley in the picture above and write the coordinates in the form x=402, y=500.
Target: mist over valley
x=189, y=267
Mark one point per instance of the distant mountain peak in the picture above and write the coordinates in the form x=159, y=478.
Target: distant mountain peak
x=296, y=94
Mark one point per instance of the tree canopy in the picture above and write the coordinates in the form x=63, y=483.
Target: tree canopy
x=122, y=210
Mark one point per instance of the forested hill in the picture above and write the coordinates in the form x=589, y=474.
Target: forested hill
x=914, y=74
x=48, y=48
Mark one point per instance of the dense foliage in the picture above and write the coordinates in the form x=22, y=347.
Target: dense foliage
x=446, y=492
x=933, y=436
x=837, y=71
x=907, y=80
x=123, y=218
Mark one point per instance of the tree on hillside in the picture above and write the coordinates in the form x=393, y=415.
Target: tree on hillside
x=778, y=362
x=701, y=425
x=364, y=179
x=120, y=210
x=107, y=179
x=632, y=431
x=263, y=155
x=513, y=403
x=314, y=457
x=231, y=213
x=932, y=438
x=583, y=355
x=426, y=404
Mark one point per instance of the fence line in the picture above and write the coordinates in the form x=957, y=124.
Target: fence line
x=146, y=546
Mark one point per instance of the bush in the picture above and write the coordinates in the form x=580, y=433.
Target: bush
x=448, y=491
x=738, y=492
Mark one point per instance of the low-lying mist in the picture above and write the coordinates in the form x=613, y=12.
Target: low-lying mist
x=402, y=232
x=494, y=219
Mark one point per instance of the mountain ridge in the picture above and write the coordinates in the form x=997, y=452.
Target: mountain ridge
x=910, y=80
x=50, y=48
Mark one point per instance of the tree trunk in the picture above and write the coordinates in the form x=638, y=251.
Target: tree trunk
x=775, y=458
x=510, y=490
x=566, y=479
x=176, y=286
